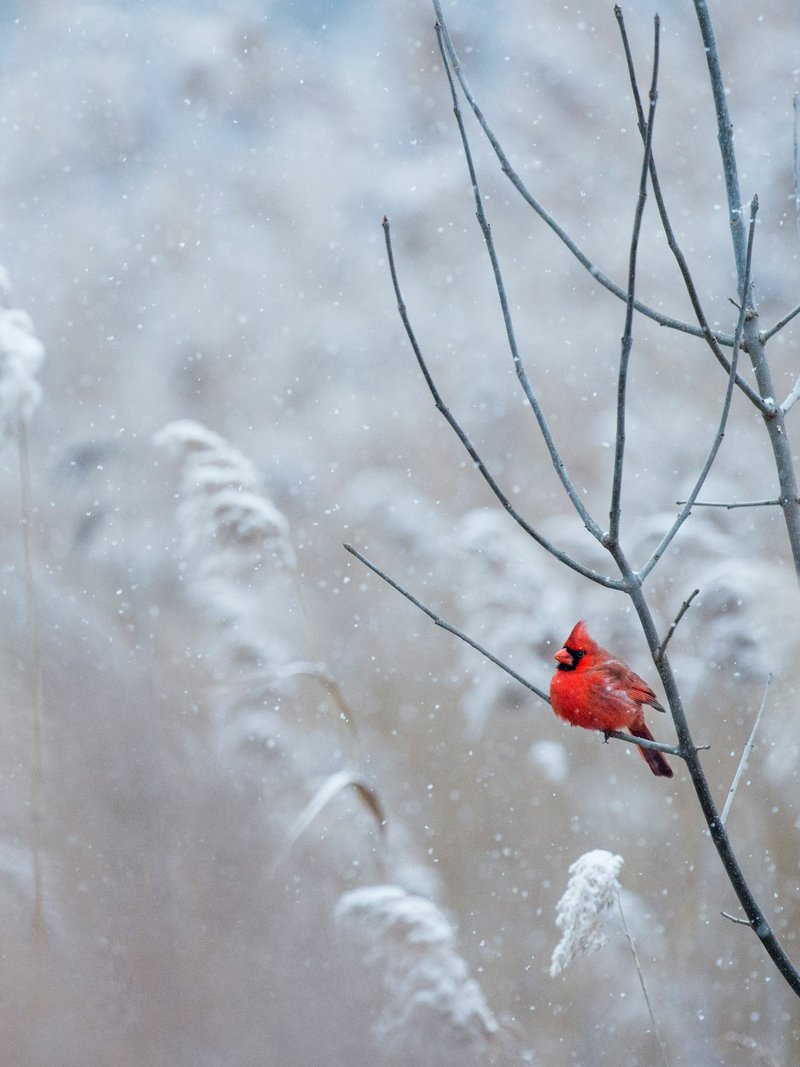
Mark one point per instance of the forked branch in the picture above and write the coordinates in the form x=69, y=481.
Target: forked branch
x=464, y=438
x=631, y=582
x=544, y=215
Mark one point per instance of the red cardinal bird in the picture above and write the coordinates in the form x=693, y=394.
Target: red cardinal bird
x=595, y=690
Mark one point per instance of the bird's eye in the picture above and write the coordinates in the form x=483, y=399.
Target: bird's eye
x=576, y=653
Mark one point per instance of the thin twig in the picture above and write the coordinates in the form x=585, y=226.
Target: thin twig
x=463, y=437
x=792, y=398
x=627, y=334
x=439, y=621
x=781, y=446
x=748, y=748
x=735, y=919
x=662, y=648
x=640, y=973
x=685, y=511
x=522, y=376
x=765, y=336
x=37, y=701
x=707, y=333
x=545, y=216
x=730, y=504
x=642, y=742
x=796, y=159
x=725, y=137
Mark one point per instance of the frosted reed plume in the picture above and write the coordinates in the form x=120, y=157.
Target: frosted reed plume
x=21, y=355
x=223, y=498
x=592, y=889
x=236, y=548
x=430, y=995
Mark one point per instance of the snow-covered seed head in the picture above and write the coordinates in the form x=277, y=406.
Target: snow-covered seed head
x=224, y=503
x=431, y=996
x=21, y=355
x=592, y=889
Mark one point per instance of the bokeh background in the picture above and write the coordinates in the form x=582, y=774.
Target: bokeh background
x=191, y=212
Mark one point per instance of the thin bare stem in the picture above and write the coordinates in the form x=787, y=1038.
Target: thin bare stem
x=730, y=504
x=748, y=748
x=725, y=137
x=627, y=335
x=662, y=648
x=792, y=398
x=544, y=215
x=685, y=511
x=757, y=920
x=642, y=742
x=522, y=376
x=439, y=621
x=463, y=437
x=640, y=973
x=735, y=918
x=707, y=333
x=765, y=336
x=37, y=701
x=796, y=159
x=753, y=341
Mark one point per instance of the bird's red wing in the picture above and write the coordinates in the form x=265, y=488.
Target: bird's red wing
x=642, y=693
x=629, y=682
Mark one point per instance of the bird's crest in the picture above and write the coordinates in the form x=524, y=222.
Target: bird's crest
x=579, y=639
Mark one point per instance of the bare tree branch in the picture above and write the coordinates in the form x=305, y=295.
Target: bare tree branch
x=662, y=648
x=439, y=621
x=627, y=334
x=725, y=137
x=730, y=504
x=545, y=216
x=792, y=398
x=765, y=336
x=753, y=342
x=735, y=919
x=748, y=748
x=521, y=373
x=463, y=437
x=689, y=751
x=796, y=159
x=642, y=742
x=631, y=582
x=672, y=241
x=685, y=511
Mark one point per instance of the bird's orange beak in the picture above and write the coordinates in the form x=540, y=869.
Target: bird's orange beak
x=563, y=656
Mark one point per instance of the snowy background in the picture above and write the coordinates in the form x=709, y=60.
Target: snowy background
x=190, y=212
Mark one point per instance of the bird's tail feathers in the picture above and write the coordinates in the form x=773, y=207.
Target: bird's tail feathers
x=654, y=759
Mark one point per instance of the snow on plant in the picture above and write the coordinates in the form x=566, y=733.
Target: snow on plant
x=21, y=355
x=592, y=889
x=430, y=993
x=223, y=498
x=235, y=541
